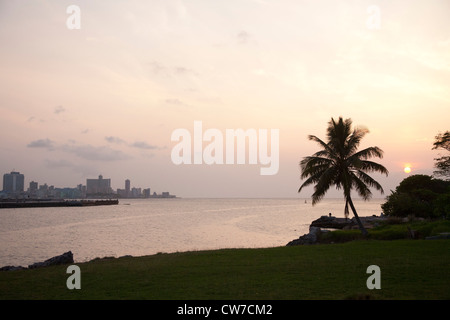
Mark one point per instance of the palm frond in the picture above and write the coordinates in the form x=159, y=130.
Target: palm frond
x=327, y=179
x=313, y=168
x=354, y=140
x=312, y=179
x=368, y=153
x=368, y=180
x=370, y=166
x=325, y=146
x=312, y=165
x=361, y=187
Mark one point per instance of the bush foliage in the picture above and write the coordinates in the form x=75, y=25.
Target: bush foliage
x=419, y=196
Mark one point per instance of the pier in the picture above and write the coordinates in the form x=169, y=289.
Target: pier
x=37, y=203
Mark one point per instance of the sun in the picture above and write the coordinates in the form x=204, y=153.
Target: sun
x=407, y=169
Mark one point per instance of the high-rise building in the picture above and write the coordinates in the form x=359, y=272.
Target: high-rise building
x=13, y=182
x=136, y=192
x=82, y=190
x=98, y=186
x=32, y=190
x=127, y=188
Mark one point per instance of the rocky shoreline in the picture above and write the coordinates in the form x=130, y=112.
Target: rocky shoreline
x=316, y=228
x=65, y=258
x=324, y=223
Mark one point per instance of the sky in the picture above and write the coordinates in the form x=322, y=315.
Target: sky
x=106, y=97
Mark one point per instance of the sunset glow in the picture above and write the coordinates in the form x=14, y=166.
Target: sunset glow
x=103, y=96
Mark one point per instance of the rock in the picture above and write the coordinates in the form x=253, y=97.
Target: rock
x=332, y=222
x=12, y=268
x=343, y=223
x=309, y=238
x=313, y=234
x=65, y=258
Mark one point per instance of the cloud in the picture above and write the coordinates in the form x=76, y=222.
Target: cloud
x=59, y=109
x=84, y=170
x=158, y=68
x=33, y=119
x=58, y=163
x=174, y=101
x=243, y=37
x=88, y=152
x=116, y=140
x=41, y=143
x=143, y=145
x=184, y=71
x=137, y=144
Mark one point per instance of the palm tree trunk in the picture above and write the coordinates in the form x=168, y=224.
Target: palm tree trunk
x=361, y=227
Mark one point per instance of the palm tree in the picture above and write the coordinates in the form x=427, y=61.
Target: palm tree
x=339, y=163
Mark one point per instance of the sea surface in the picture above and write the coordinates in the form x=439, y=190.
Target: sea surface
x=148, y=226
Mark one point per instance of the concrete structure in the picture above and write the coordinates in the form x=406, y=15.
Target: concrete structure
x=127, y=188
x=98, y=186
x=13, y=182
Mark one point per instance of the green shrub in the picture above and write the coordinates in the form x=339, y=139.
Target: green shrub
x=389, y=231
x=419, y=196
x=339, y=236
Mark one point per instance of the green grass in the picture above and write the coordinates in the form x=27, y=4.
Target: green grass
x=410, y=269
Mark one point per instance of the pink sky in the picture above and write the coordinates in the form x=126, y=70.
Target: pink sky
x=105, y=99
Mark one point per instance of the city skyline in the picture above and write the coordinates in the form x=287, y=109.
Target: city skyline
x=106, y=97
x=14, y=187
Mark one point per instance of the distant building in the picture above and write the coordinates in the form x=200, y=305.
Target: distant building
x=67, y=193
x=82, y=190
x=121, y=193
x=98, y=186
x=43, y=191
x=32, y=190
x=127, y=188
x=136, y=192
x=13, y=182
x=33, y=187
x=146, y=193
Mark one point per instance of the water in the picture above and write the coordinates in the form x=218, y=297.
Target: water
x=143, y=227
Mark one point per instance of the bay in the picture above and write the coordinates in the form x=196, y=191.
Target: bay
x=148, y=226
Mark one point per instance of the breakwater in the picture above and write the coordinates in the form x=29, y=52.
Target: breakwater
x=4, y=204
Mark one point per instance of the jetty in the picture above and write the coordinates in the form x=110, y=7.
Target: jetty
x=40, y=203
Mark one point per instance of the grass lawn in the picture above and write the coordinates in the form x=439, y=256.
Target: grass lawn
x=410, y=269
